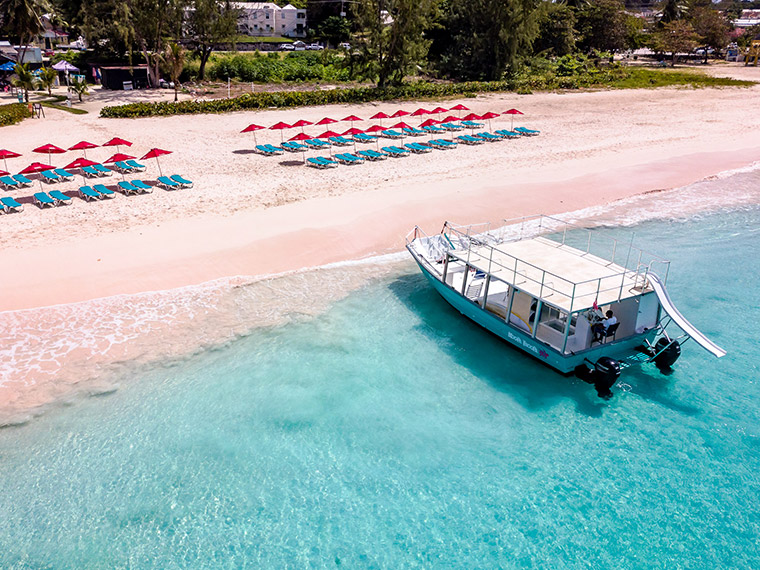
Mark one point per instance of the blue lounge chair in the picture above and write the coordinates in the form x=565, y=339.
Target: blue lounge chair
x=418, y=148
x=60, y=197
x=122, y=166
x=391, y=134
x=104, y=191
x=167, y=183
x=128, y=188
x=8, y=182
x=274, y=149
x=136, y=166
x=435, y=130
x=50, y=177
x=42, y=200
x=507, y=134
x=264, y=149
x=527, y=132
x=395, y=151
x=452, y=126
x=316, y=143
x=104, y=170
x=348, y=158
x=142, y=186
x=11, y=204
x=181, y=181
x=364, y=138
x=329, y=163
x=467, y=139
x=372, y=155
x=87, y=193
x=292, y=146
x=23, y=180
x=488, y=137
x=314, y=163
x=90, y=172
x=64, y=174
x=414, y=132
x=473, y=125
x=442, y=144
x=340, y=141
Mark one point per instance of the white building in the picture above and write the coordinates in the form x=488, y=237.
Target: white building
x=268, y=19
x=748, y=19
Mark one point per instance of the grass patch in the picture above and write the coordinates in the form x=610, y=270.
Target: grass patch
x=13, y=113
x=645, y=78
x=71, y=110
x=263, y=40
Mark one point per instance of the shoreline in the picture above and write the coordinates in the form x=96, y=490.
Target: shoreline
x=313, y=233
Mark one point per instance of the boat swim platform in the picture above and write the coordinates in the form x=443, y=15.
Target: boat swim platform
x=561, y=275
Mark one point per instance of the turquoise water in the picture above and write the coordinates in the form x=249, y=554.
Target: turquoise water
x=391, y=433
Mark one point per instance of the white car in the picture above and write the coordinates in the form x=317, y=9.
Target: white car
x=315, y=47
x=287, y=47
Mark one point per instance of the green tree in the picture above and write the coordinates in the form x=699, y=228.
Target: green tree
x=712, y=28
x=24, y=79
x=153, y=22
x=22, y=19
x=210, y=22
x=107, y=25
x=675, y=37
x=334, y=30
x=47, y=78
x=672, y=10
x=556, y=29
x=79, y=86
x=488, y=37
x=602, y=25
x=174, y=57
x=391, y=40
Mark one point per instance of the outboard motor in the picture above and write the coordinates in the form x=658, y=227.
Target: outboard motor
x=667, y=352
x=603, y=376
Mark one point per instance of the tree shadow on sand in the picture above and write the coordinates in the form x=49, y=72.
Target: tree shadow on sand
x=493, y=360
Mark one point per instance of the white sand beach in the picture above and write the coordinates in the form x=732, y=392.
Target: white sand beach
x=254, y=215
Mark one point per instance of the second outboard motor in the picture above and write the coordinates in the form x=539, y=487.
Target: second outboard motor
x=606, y=373
x=667, y=352
x=603, y=376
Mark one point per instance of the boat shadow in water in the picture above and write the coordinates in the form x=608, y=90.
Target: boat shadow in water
x=490, y=358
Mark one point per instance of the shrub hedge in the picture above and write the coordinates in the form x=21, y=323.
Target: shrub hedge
x=13, y=113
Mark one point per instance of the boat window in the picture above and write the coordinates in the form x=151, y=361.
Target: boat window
x=497, y=301
x=551, y=326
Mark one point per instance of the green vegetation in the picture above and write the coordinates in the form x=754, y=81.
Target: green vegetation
x=569, y=73
x=262, y=40
x=14, y=113
x=272, y=68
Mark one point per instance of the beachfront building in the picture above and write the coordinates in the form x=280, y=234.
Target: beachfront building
x=268, y=19
x=748, y=19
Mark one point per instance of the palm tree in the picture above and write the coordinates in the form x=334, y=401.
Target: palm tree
x=23, y=19
x=25, y=80
x=174, y=56
x=47, y=78
x=79, y=86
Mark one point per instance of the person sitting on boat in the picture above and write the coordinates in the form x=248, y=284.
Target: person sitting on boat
x=600, y=329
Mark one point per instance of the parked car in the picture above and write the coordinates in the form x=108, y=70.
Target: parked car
x=315, y=47
x=299, y=46
x=345, y=45
x=287, y=47
x=48, y=53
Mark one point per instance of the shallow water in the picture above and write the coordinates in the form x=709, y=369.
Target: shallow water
x=389, y=432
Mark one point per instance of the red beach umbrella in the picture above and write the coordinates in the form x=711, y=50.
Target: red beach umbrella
x=252, y=129
x=353, y=131
x=451, y=119
x=279, y=127
x=471, y=117
x=419, y=112
x=48, y=149
x=351, y=118
x=512, y=112
x=430, y=122
x=6, y=154
x=328, y=134
x=117, y=142
x=83, y=145
x=118, y=157
x=326, y=121
x=380, y=115
x=401, y=125
x=459, y=108
x=489, y=116
x=301, y=123
x=376, y=128
x=4, y=173
x=155, y=153
x=36, y=167
x=438, y=111
x=399, y=113
x=300, y=137
x=80, y=163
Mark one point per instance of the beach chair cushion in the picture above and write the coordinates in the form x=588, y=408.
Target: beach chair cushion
x=128, y=188
x=181, y=181
x=104, y=191
x=142, y=186
x=123, y=166
x=87, y=193
x=64, y=174
x=90, y=172
x=11, y=204
x=60, y=197
x=42, y=199
x=9, y=182
x=50, y=176
x=136, y=165
x=23, y=180
x=314, y=163
x=168, y=183
x=340, y=141
x=104, y=170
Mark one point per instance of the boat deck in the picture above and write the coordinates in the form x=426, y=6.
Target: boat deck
x=565, y=277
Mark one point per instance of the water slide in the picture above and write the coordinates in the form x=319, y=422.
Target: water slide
x=680, y=320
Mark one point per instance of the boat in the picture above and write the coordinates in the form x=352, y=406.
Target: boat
x=546, y=286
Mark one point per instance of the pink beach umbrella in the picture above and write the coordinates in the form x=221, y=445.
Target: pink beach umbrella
x=399, y=113
x=155, y=153
x=438, y=111
x=80, y=163
x=280, y=127
x=376, y=129
x=326, y=121
x=37, y=167
x=301, y=123
x=351, y=118
x=49, y=149
x=83, y=146
x=252, y=128
x=117, y=142
x=512, y=112
x=459, y=107
x=6, y=154
x=488, y=116
x=4, y=173
x=380, y=116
